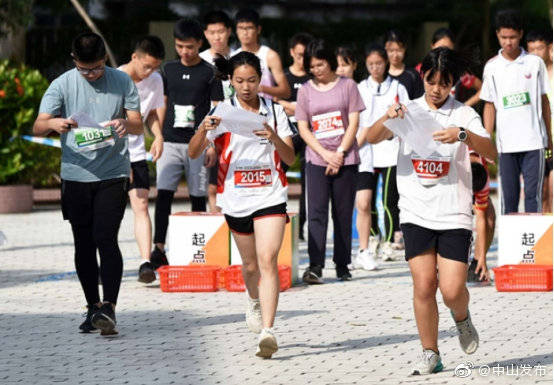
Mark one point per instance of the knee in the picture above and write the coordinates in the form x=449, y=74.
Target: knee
x=450, y=295
x=267, y=263
x=250, y=267
x=425, y=291
x=363, y=206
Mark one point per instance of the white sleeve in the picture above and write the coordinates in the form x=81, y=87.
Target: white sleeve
x=403, y=94
x=488, y=92
x=474, y=123
x=158, y=90
x=283, y=125
x=543, y=85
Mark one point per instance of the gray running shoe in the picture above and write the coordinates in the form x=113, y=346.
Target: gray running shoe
x=253, y=315
x=467, y=334
x=267, y=344
x=428, y=362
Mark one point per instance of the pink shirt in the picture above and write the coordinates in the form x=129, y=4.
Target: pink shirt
x=327, y=115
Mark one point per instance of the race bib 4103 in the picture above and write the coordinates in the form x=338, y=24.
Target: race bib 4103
x=90, y=138
x=516, y=100
x=328, y=125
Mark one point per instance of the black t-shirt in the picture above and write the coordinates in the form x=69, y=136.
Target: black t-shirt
x=189, y=92
x=295, y=82
x=411, y=79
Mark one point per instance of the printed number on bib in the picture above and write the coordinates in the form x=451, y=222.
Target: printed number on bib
x=516, y=100
x=184, y=116
x=328, y=125
x=253, y=178
x=90, y=138
x=429, y=171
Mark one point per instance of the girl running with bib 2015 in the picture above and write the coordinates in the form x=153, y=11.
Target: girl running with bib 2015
x=435, y=204
x=252, y=190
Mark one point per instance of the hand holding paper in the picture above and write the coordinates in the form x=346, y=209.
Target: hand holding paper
x=416, y=129
x=237, y=121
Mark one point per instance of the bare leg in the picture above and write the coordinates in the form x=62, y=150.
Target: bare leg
x=363, y=218
x=250, y=271
x=143, y=224
x=452, y=283
x=269, y=236
x=424, y=274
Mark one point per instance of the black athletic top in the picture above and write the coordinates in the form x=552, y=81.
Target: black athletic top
x=411, y=79
x=295, y=82
x=189, y=92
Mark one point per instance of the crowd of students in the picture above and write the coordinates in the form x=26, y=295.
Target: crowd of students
x=313, y=109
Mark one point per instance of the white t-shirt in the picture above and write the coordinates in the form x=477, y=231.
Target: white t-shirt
x=378, y=97
x=250, y=176
x=267, y=77
x=515, y=88
x=228, y=90
x=151, y=94
x=436, y=193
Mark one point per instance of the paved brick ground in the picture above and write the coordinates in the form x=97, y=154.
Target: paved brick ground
x=360, y=332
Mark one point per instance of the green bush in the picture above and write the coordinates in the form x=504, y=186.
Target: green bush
x=21, y=162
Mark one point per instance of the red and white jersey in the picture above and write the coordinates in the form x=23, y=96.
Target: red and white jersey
x=250, y=176
x=436, y=192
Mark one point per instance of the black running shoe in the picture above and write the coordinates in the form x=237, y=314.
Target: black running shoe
x=471, y=276
x=104, y=319
x=86, y=326
x=146, y=273
x=343, y=274
x=158, y=258
x=312, y=275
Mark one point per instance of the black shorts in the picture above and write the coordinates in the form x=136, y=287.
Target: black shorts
x=452, y=244
x=245, y=225
x=139, y=175
x=212, y=177
x=366, y=180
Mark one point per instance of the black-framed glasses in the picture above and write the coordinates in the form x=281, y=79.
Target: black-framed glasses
x=94, y=71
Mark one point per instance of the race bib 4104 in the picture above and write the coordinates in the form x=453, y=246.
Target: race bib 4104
x=90, y=138
x=516, y=100
x=429, y=171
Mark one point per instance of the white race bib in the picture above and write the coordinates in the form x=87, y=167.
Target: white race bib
x=430, y=170
x=184, y=116
x=91, y=138
x=327, y=125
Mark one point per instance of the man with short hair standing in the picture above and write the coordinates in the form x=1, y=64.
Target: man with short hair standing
x=95, y=166
x=515, y=87
x=190, y=88
x=145, y=60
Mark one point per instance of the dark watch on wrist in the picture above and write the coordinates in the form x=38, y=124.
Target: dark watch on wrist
x=462, y=135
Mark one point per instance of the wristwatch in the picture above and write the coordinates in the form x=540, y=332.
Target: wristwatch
x=341, y=149
x=462, y=135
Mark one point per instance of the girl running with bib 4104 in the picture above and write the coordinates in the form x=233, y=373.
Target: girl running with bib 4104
x=435, y=204
x=252, y=190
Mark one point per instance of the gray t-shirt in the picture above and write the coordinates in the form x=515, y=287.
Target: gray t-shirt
x=104, y=99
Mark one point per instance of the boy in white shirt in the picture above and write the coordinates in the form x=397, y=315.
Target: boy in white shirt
x=146, y=59
x=515, y=87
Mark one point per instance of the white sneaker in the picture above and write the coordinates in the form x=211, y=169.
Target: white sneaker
x=367, y=261
x=354, y=264
x=267, y=343
x=373, y=244
x=253, y=315
x=467, y=334
x=428, y=362
x=386, y=252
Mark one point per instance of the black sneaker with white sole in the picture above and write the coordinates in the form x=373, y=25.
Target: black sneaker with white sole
x=343, y=274
x=104, y=319
x=312, y=275
x=158, y=258
x=146, y=272
x=86, y=326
